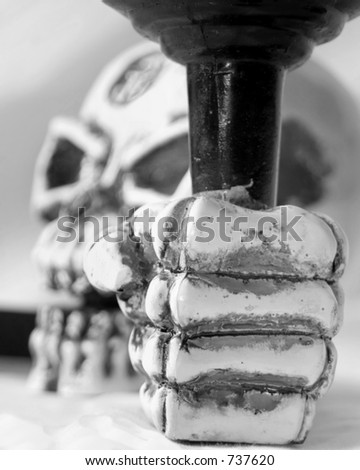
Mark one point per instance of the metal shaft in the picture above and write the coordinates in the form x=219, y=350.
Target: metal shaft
x=235, y=126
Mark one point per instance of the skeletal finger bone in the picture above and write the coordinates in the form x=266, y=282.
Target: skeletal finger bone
x=228, y=415
x=111, y=265
x=205, y=303
x=126, y=256
x=196, y=242
x=287, y=362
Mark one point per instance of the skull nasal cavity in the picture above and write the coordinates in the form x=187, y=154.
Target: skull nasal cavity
x=65, y=164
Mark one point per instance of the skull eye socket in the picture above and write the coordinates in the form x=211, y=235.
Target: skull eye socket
x=137, y=79
x=163, y=168
x=65, y=164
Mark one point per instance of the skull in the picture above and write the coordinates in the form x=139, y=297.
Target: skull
x=111, y=159
x=129, y=145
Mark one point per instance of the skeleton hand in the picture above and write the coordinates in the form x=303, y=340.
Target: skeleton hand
x=234, y=310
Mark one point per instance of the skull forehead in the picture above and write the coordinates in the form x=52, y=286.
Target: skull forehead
x=140, y=101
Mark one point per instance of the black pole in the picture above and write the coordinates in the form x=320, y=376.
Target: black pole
x=235, y=126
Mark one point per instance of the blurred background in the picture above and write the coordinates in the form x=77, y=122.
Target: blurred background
x=50, y=54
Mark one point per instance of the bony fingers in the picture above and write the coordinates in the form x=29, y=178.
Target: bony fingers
x=206, y=234
x=141, y=224
x=117, y=261
x=199, y=303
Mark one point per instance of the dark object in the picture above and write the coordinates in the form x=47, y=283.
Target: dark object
x=303, y=166
x=15, y=329
x=236, y=53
